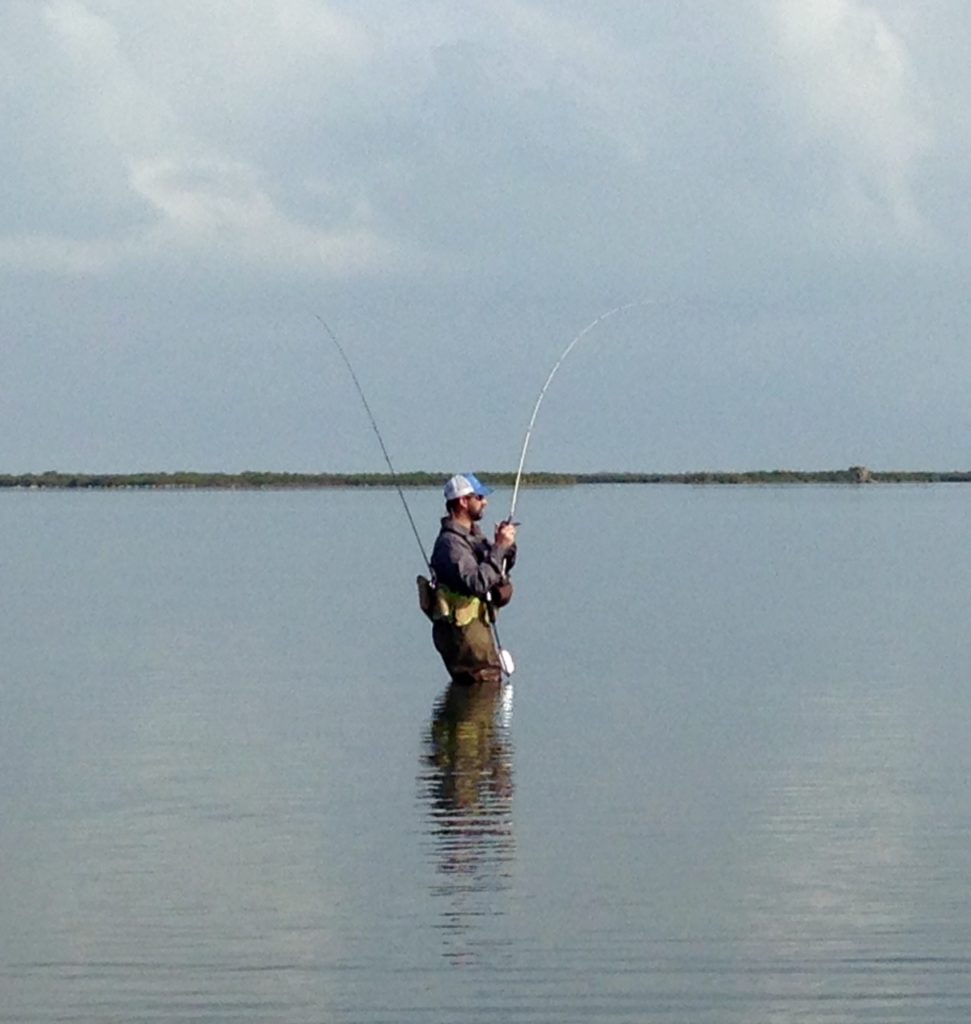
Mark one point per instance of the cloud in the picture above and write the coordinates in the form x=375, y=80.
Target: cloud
x=216, y=207
x=855, y=103
x=185, y=195
x=507, y=142
x=512, y=141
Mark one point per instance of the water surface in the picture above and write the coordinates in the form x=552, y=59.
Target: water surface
x=730, y=782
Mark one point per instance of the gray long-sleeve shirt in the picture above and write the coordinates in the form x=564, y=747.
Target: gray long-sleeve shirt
x=465, y=561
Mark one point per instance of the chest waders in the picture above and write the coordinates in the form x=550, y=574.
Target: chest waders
x=464, y=631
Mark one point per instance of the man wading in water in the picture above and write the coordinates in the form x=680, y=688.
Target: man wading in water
x=469, y=583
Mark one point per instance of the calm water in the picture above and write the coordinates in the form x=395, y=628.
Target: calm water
x=730, y=783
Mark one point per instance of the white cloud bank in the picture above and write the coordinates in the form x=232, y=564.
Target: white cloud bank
x=331, y=140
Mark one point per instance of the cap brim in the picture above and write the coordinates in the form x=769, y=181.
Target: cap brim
x=478, y=487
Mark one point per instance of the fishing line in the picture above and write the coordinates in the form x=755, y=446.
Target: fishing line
x=377, y=432
x=539, y=400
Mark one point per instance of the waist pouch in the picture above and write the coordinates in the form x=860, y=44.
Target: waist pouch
x=426, y=596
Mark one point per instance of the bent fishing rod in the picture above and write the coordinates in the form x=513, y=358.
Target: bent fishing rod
x=542, y=394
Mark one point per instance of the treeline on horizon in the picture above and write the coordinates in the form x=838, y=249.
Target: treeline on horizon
x=251, y=480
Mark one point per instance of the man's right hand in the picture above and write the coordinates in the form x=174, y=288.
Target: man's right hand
x=505, y=534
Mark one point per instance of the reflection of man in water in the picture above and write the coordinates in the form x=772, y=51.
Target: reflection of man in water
x=468, y=787
x=470, y=582
x=470, y=751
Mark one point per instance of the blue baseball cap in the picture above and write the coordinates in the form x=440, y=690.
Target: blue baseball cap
x=463, y=484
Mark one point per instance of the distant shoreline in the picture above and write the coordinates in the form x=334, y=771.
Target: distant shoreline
x=856, y=475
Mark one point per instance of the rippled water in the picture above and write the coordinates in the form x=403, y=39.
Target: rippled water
x=730, y=782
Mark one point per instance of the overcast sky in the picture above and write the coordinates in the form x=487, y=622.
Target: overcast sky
x=459, y=189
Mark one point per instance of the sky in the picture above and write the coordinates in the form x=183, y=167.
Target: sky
x=776, y=191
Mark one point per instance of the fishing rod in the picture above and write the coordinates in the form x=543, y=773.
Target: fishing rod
x=377, y=432
x=539, y=400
